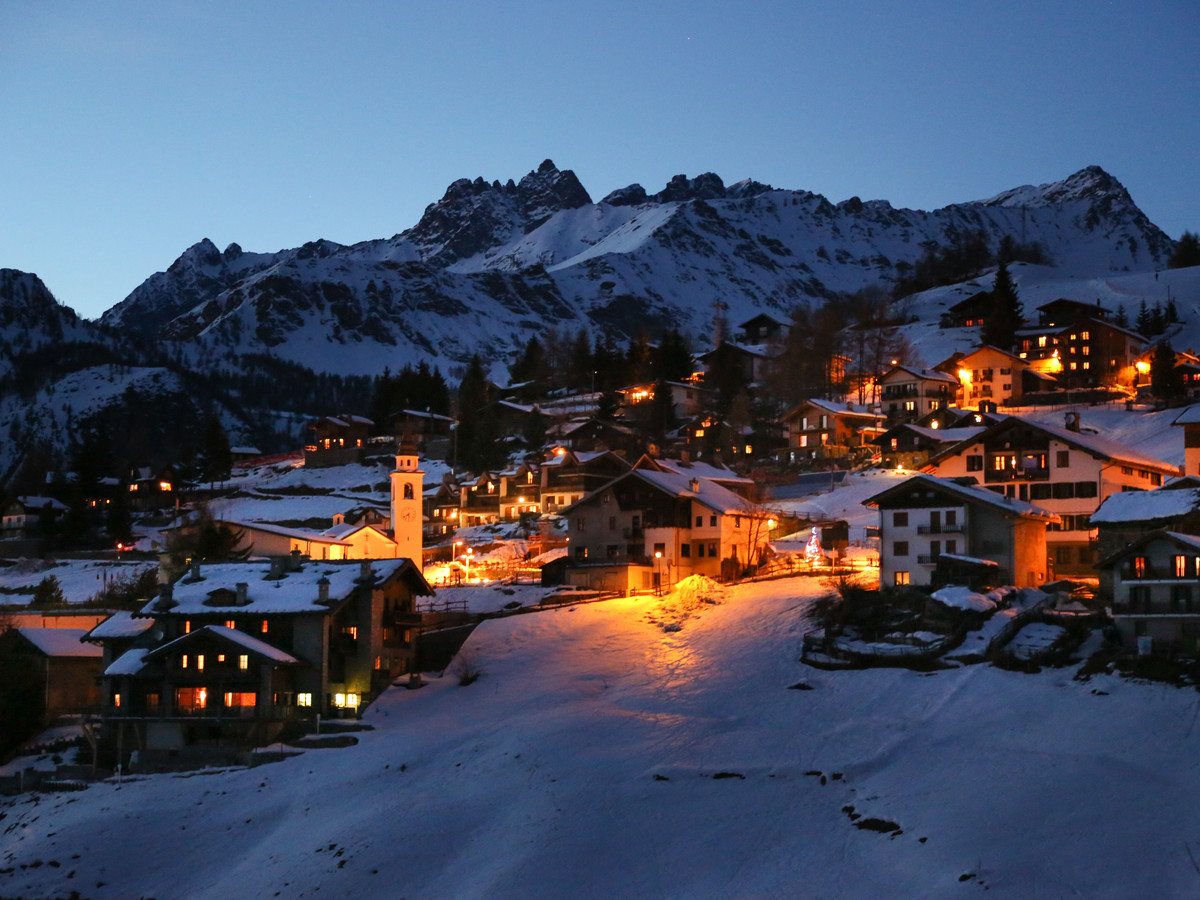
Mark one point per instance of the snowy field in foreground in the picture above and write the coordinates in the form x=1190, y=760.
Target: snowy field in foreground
x=604, y=754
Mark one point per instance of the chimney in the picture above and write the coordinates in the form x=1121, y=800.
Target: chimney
x=685, y=456
x=194, y=574
x=242, y=588
x=278, y=566
x=295, y=561
x=1073, y=421
x=694, y=485
x=166, y=597
x=323, y=590
x=364, y=572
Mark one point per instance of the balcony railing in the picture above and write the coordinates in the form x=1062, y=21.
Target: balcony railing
x=927, y=559
x=940, y=529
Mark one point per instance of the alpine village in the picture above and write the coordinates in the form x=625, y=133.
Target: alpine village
x=267, y=488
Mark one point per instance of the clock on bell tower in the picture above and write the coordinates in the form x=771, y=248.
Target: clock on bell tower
x=407, y=483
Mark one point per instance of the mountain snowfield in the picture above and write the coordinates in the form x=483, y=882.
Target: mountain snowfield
x=652, y=748
x=489, y=266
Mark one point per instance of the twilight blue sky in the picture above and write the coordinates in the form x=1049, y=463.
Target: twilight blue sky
x=132, y=130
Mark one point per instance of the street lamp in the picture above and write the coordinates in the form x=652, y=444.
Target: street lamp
x=658, y=572
x=470, y=552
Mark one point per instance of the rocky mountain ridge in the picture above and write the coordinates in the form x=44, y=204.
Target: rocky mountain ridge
x=490, y=264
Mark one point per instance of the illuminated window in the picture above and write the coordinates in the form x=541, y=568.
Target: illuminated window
x=264, y=626
x=229, y=623
x=1041, y=340
x=199, y=662
x=901, y=578
x=304, y=699
x=164, y=485
x=220, y=657
x=236, y=699
x=345, y=701
x=117, y=700
x=183, y=661
x=351, y=631
x=191, y=699
x=187, y=626
x=1086, y=335
x=1139, y=567
x=243, y=662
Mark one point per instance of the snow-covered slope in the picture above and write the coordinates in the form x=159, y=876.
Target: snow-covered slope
x=490, y=265
x=603, y=753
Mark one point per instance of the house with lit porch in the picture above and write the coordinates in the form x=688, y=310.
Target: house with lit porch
x=929, y=524
x=1067, y=470
x=650, y=528
x=239, y=650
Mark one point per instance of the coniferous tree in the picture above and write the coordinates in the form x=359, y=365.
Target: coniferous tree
x=1186, y=252
x=1165, y=381
x=1006, y=314
x=216, y=458
x=1142, y=323
x=1122, y=317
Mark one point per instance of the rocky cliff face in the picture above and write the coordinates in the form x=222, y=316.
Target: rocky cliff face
x=491, y=264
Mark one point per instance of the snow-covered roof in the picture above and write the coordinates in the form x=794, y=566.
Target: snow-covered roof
x=294, y=593
x=922, y=374
x=1189, y=416
x=963, y=598
x=848, y=410
x=945, y=435
x=1101, y=446
x=34, y=502
x=703, y=490
x=297, y=533
x=240, y=638
x=128, y=663
x=120, y=625
x=1147, y=506
x=968, y=493
x=700, y=469
x=61, y=642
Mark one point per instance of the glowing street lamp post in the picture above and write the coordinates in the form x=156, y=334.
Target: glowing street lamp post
x=470, y=552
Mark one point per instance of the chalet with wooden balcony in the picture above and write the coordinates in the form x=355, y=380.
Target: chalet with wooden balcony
x=987, y=375
x=927, y=522
x=1068, y=471
x=568, y=475
x=649, y=528
x=1086, y=353
x=908, y=394
x=337, y=440
x=1156, y=592
x=238, y=650
x=822, y=429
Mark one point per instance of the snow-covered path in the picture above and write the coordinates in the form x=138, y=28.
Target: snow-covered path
x=601, y=755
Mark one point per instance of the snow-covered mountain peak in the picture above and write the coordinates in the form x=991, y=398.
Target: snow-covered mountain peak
x=1090, y=184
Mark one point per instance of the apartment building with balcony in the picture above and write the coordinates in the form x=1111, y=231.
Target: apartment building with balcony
x=1067, y=470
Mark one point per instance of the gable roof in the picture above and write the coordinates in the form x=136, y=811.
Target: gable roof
x=704, y=491
x=980, y=496
x=1147, y=506
x=238, y=639
x=1103, y=447
x=120, y=625
x=293, y=593
x=1189, y=542
x=922, y=374
x=845, y=410
x=60, y=642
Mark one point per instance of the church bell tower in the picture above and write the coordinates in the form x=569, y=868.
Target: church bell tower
x=407, y=483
